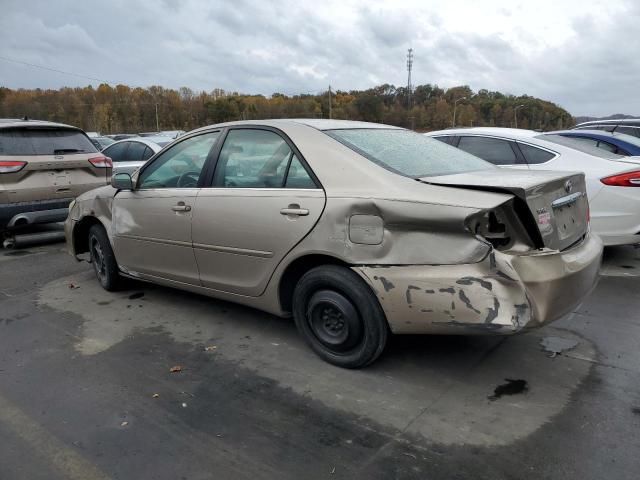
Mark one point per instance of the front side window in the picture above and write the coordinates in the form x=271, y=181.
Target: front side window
x=258, y=159
x=535, y=155
x=407, y=153
x=493, y=150
x=181, y=165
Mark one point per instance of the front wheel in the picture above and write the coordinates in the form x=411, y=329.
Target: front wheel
x=339, y=316
x=103, y=259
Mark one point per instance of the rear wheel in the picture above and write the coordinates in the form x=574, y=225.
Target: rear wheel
x=339, y=316
x=103, y=259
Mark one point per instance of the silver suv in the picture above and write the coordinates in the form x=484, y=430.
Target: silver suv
x=43, y=167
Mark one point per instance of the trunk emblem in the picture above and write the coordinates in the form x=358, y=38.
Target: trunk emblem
x=568, y=186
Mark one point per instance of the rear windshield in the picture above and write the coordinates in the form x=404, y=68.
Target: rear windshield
x=578, y=145
x=408, y=153
x=44, y=142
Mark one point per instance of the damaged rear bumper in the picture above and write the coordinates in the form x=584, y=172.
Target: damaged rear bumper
x=502, y=294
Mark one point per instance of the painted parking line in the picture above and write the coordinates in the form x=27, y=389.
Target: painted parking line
x=65, y=460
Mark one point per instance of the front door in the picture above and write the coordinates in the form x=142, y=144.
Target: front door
x=262, y=202
x=152, y=224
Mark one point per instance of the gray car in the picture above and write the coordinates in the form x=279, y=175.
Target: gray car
x=130, y=154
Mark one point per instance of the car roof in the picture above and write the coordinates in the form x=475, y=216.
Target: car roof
x=18, y=122
x=583, y=132
x=496, y=131
x=148, y=141
x=620, y=121
x=317, y=123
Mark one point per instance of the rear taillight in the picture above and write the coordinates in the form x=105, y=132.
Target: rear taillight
x=629, y=179
x=11, y=166
x=101, y=162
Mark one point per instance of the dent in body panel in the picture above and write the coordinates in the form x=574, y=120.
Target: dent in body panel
x=469, y=298
x=413, y=233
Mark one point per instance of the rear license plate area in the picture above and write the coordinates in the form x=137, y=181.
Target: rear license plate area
x=566, y=220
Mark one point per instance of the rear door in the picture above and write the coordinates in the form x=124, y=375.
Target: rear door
x=263, y=200
x=57, y=164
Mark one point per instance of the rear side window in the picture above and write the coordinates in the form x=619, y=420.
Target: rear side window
x=635, y=131
x=577, y=145
x=535, y=155
x=259, y=159
x=444, y=139
x=116, y=152
x=42, y=141
x=148, y=153
x=493, y=150
x=136, y=151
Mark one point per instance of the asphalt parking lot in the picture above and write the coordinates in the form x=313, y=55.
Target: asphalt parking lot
x=86, y=390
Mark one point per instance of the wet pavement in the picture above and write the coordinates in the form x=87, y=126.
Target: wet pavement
x=87, y=391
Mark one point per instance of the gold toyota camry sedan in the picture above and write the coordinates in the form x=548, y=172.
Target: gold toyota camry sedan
x=357, y=230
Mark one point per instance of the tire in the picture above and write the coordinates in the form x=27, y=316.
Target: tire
x=103, y=259
x=339, y=316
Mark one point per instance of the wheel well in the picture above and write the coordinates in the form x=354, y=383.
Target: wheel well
x=81, y=234
x=296, y=270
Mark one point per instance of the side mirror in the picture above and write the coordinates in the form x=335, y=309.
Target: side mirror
x=122, y=181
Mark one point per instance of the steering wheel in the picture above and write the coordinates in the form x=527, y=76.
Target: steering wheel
x=188, y=180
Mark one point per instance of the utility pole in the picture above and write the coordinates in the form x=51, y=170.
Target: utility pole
x=329, y=102
x=515, y=115
x=409, y=67
x=455, y=104
x=157, y=122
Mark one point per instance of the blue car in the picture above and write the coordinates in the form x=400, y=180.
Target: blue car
x=620, y=143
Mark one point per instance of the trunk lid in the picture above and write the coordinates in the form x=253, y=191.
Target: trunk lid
x=551, y=205
x=57, y=164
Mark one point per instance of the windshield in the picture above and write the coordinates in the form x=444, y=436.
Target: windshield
x=578, y=145
x=408, y=153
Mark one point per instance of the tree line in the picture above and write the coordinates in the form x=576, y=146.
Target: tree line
x=122, y=109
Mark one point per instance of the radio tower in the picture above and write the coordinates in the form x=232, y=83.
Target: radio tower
x=409, y=66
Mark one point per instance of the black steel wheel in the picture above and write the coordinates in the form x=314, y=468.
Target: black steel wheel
x=103, y=259
x=339, y=316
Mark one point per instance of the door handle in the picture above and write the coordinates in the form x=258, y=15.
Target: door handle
x=300, y=212
x=181, y=207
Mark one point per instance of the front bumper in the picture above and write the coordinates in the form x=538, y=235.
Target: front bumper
x=502, y=294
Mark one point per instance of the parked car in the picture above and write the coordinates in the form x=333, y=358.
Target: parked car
x=612, y=180
x=101, y=142
x=129, y=155
x=356, y=229
x=619, y=143
x=163, y=133
x=122, y=136
x=43, y=167
x=172, y=133
x=630, y=126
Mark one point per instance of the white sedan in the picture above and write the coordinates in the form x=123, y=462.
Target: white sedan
x=613, y=181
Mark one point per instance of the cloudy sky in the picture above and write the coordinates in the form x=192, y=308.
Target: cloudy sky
x=581, y=54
